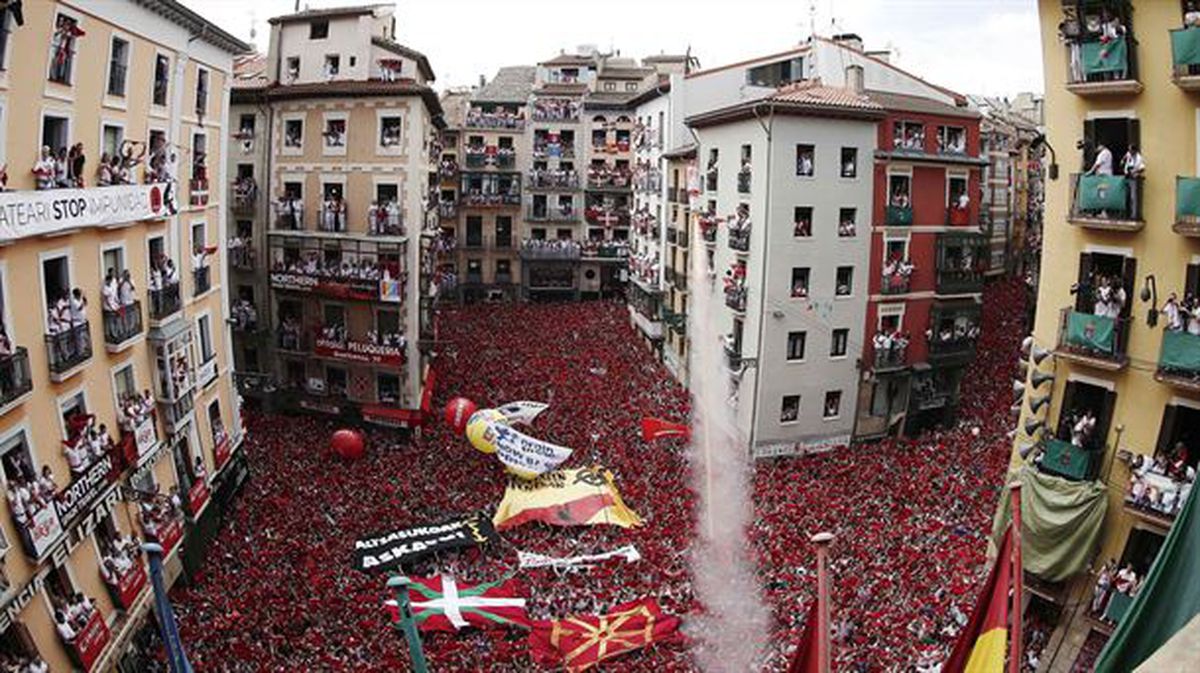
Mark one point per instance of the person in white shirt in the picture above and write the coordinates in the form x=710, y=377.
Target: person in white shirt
x=64, y=629
x=127, y=291
x=1103, y=165
x=1171, y=312
x=108, y=292
x=78, y=307
x=1133, y=165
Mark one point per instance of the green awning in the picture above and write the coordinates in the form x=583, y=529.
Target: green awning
x=1061, y=522
x=1180, y=351
x=1093, y=332
x=898, y=215
x=1102, y=192
x=1187, y=196
x=1066, y=460
x=1185, y=46
x=1103, y=57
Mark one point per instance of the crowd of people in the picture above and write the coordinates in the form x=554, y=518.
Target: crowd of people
x=29, y=491
x=910, y=516
x=1182, y=315
x=117, y=557
x=555, y=109
x=897, y=272
x=244, y=315
x=385, y=219
x=1161, y=485
x=312, y=264
x=71, y=615
x=498, y=118
x=87, y=442
x=604, y=175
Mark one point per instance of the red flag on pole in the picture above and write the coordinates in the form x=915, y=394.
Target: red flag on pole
x=983, y=644
x=657, y=428
x=805, y=660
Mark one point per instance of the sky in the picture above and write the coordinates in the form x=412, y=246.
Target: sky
x=987, y=47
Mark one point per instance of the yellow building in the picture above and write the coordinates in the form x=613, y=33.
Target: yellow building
x=682, y=178
x=1120, y=385
x=145, y=81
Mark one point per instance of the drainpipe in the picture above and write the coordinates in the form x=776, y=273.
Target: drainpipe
x=768, y=128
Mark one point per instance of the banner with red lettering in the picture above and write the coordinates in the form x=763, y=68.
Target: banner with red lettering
x=222, y=450
x=170, y=534
x=91, y=640
x=130, y=585
x=197, y=496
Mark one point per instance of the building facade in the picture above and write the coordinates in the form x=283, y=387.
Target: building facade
x=119, y=419
x=337, y=149
x=683, y=188
x=1112, y=401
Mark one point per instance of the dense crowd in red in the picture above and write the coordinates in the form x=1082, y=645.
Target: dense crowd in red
x=278, y=592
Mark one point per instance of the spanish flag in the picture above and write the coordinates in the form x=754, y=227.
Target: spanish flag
x=983, y=644
x=585, y=497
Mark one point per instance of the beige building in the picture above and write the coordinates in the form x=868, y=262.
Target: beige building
x=111, y=286
x=683, y=181
x=335, y=145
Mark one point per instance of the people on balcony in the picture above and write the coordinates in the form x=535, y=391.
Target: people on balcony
x=846, y=228
x=499, y=118
x=289, y=334
x=245, y=189
x=117, y=557
x=605, y=248
x=390, y=339
x=134, y=409
x=384, y=218
x=245, y=315
x=900, y=198
x=363, y=269
x=1159, y=484
x=1108, y=296
x=896, y=273
x=21, y=663
x=28, y=493
x=71, y=615
x=333, y=214
x=290, y=212
x=155, y=512
x=86, y=443
x=890, y=346
x=604, y=175
x=555, y=109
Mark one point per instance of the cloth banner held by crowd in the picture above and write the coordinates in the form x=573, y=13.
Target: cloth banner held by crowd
x=628, y=553
x=1110, y=56
x=983, y=643
x=582, y=497
x=491, y=431
x=384, y=551
x=578, y=643
x=1180, y=351
x=657, y=428
x=443, y=603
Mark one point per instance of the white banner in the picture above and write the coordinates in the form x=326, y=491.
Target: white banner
x=34, y=213
x=628, y=553
x=146, y=437
x=523, y=411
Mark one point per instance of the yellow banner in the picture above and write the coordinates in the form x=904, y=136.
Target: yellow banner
x=583, y=497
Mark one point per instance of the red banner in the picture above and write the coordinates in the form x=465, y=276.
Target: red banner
x=91, y=640
x=579, y=643
x=197, y=496
x=656, y=428
x=391, y=416
x=170, y=534
x=357, y=351
x=362, y=289
x=130, y=585
x=222, y=451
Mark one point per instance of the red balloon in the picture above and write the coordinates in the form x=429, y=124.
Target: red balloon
x=458, y=410
x=348, y=444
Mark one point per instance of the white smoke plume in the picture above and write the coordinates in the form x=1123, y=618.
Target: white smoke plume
x=733, y=628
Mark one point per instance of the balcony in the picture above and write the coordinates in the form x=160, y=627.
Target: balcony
x=605, y=250
x=477, y=119
x=1187, y=205
x=340, y=286
x=447, y=169
x=1179, y=360
x=1109, y=202
x=549, y=150
x=958, y=217
x=1064, y=459
x=385, y=220
x=1093, y=340
x=245, y=197
x=242, y=257
x=483, y=158
x=961, y=259
x=553, y=180
x=447, y=210
x=289, y=214
x=1098, y=68
x=898, y=216
x=607, y=217
x=708, y=228
x=890, y=358
x=955, y=349
x=609, y=180
x=165, y=302
x=896, y=282
x=176, y=414
x=67, y=350
x=1185, y=58
x=648, y=183
x=121, y=326
x=551, y=214
x=15, y=381
x=1155, y=497
x=550, y=250
x=739, y=238
x=735, y=298
x=201, y=280
x=333, y=217
x=491, y=200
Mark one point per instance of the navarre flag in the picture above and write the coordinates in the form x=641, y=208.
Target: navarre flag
x=445, y=604
x=805, y=660
x=578, y=643
x=983, y=644
x=582, y=497
x=657, y=428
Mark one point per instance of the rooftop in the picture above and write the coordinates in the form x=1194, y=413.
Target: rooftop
x=810, y=97
x=512, y=84
x=401, y=50
x=328, y=12
x=202, y=28
x=905, y=103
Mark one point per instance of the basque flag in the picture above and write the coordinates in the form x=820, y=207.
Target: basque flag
x=444, y=604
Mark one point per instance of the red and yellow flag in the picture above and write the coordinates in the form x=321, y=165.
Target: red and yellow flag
x=583, y=497
x=578, y=643
x=805, y=659
x=983, y=644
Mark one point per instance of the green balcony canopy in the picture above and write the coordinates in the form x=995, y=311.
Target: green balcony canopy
x=1066, y=459
x=1093, y=332
x=1185, y=46
x=1102, y=192
x=1180, y=351
x=898, y=215
x=1106, y=57
x=1187, y=196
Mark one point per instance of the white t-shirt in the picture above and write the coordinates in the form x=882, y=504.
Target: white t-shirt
x=1104, y=162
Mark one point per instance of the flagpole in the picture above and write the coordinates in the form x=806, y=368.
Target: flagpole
x=1016, y=655
x=177, y=659
x=399, y=584
x=822, y=540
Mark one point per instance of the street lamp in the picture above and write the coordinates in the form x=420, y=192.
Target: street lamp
x=1040, y=140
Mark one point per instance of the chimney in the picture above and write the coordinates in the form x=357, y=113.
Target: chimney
x=851, y=40
x=854, y=78
x=482, y=81
x=884, y=55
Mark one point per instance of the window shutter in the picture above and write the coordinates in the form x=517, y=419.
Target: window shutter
x=1083, y=294
x=1163, y=447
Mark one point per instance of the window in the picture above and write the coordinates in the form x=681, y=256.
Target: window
x=776, y=74
x=118, y=65
x=804, y=160
x=802, y=221
x=333, y=65
x=293, y=133
x=952, y=140
x=56, y=291
x=503, y=268
x=789, y=411
x=162, y=78
x=4, y=30
x=503, y=231
x=908, y=136
x=111, y=139
x=799, y=282
x=56, y=132
x=390, y=127
x=201, y=92
x=849, y=162
x=474, y=231
x=335, y=133
x=846, y=222
x=841, y=339
x=62, y=49
x=610, y=86
x=318, y=30
x=795, y=345
x=845, y=281
x=292, y=67
x=388, y=388
x=204, y=327
x=246, y=125
x=833, y=404
x=631, y=86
